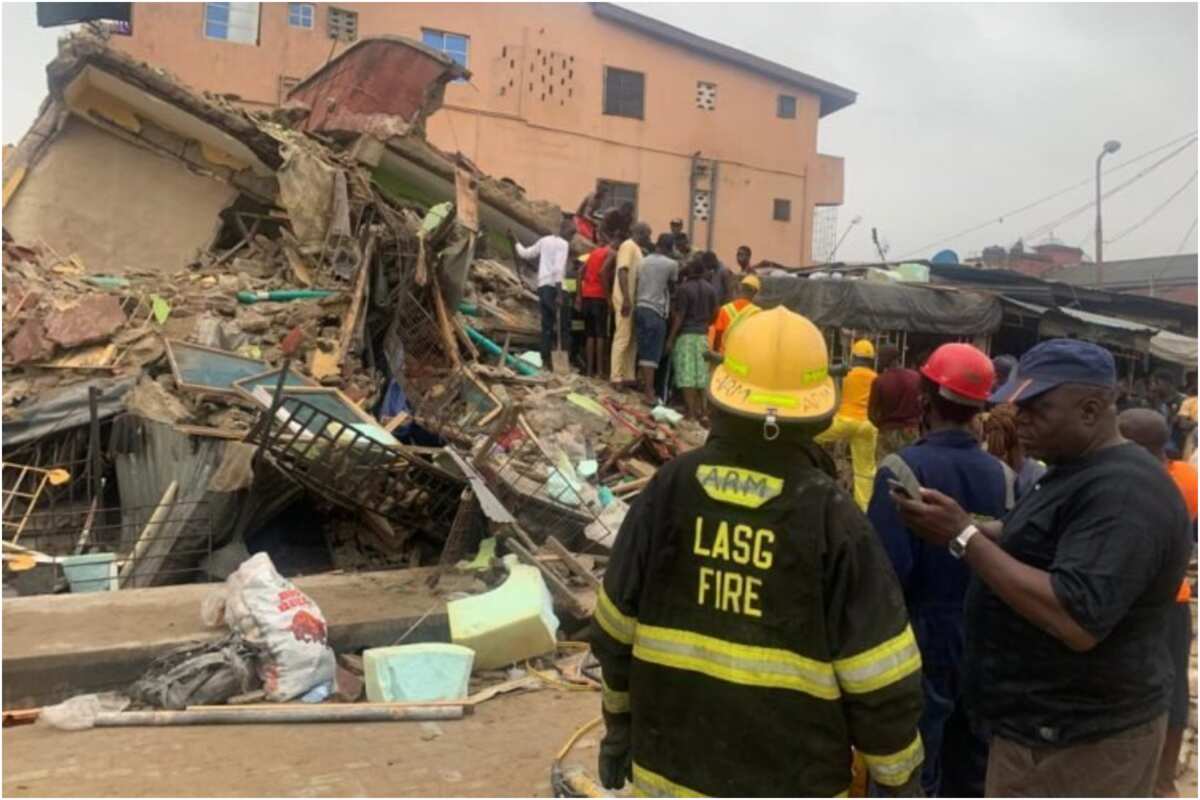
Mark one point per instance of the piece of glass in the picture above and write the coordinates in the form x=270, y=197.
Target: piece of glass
x=215, y=370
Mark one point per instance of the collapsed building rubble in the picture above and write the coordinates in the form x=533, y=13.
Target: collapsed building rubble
x=312, y=306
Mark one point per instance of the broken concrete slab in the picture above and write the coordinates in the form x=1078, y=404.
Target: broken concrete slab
x=56, y=646
x=29, y=343
x=94, y=319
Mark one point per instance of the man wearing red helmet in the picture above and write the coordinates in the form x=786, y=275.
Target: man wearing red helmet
x=954, y=385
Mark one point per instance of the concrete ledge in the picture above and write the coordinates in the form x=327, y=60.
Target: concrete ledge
x=56, y=646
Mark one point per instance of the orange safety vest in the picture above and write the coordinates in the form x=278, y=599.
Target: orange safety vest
x=727, y=317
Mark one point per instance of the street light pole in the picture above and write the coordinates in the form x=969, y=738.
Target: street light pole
x=845, y=233
x=1111, y=146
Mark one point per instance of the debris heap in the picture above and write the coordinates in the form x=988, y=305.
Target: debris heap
x=286, y=310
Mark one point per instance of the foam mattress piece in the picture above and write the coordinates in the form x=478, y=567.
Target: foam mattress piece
x=510, y=623
x=411, y=673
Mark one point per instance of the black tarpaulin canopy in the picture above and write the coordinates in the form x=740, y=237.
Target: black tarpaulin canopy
x=867, y=305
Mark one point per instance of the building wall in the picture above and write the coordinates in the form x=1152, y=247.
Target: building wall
x=167, y=212
x=532, y=109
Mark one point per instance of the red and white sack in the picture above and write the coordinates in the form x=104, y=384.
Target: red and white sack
x=264, y=606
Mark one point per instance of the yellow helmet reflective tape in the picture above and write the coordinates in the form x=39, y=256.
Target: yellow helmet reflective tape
x=863, y=349
x=752, y=281
x=775, y=363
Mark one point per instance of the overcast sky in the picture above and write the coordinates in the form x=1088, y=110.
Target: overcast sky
x=965, y=112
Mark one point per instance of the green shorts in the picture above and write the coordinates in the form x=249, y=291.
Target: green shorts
x=691, y=370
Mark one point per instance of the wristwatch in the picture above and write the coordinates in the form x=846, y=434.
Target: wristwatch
x=958, y=545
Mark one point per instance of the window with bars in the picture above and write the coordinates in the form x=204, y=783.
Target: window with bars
x=624, y=93
x=785, y=107
x=231, y=22
x=342, y=24
x=301, y=15
x=783, y=210
x=706, y=96
x=619, y=194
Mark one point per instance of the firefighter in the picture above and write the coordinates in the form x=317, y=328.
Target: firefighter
x=851, y=423
x=750, y=628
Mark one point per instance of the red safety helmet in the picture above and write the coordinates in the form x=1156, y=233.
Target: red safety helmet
x=963, y=373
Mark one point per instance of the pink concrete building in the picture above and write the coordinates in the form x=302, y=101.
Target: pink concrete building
x=561, y=97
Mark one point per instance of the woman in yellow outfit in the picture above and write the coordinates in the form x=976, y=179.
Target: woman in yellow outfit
x=851, y=423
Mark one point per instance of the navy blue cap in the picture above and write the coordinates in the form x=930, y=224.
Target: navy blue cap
x=1052, y=363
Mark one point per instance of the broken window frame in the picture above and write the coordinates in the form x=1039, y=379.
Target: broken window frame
x=437, y=39
x=342, y=24
x=785, y=106
x=783, y=210
x=624, y=93
x=225, y=391
x=269, y=379
x=302, y=15
x=212, y=23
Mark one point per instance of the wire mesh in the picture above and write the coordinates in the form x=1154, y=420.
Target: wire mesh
x=543, y=493
x=351, y=467
x=149, y=546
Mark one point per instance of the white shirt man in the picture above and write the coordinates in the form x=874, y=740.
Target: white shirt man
x=551, y=252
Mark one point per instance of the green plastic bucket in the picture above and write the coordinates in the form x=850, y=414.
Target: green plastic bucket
x=94, y=572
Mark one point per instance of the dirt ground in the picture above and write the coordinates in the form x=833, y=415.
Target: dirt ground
x=504, y=748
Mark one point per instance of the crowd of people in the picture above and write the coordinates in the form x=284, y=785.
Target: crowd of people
x=1000, y=607
x=642, y=312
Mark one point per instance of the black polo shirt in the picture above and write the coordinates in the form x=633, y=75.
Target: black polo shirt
x=1112, y=531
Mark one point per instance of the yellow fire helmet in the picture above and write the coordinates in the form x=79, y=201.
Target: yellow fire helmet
x=863, y=349
x=776, y=367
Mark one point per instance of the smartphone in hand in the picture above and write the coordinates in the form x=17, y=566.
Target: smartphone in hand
x=900, y=489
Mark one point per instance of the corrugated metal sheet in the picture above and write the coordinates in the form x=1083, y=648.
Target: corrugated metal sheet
x=381, y=86
x=1105, y=321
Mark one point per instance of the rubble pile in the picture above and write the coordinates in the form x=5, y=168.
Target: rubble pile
x=350, y=331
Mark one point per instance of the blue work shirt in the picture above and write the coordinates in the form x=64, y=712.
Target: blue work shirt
x=934, y=582
x=935, y=587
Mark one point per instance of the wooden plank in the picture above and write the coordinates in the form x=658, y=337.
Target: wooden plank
x=146, y=537
x=448, y=342
x=568, y=558
x=300, y=270
x=638, y=468
x=213, y=433
x=356, y=303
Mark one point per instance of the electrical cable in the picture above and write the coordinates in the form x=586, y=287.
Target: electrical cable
x=1185, y=238
x=1049, y=197
x=1153, y=213
x=1070, y=215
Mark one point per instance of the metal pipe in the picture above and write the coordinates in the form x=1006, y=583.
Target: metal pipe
x=712, y=202
x=241, y=715
x=692, y=199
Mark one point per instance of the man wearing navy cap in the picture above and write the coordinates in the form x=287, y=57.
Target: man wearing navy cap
x=1066, y=662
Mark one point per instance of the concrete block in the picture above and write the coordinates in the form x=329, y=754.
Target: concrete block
x=412, y=673
x=512, y=622
x=93, y=319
